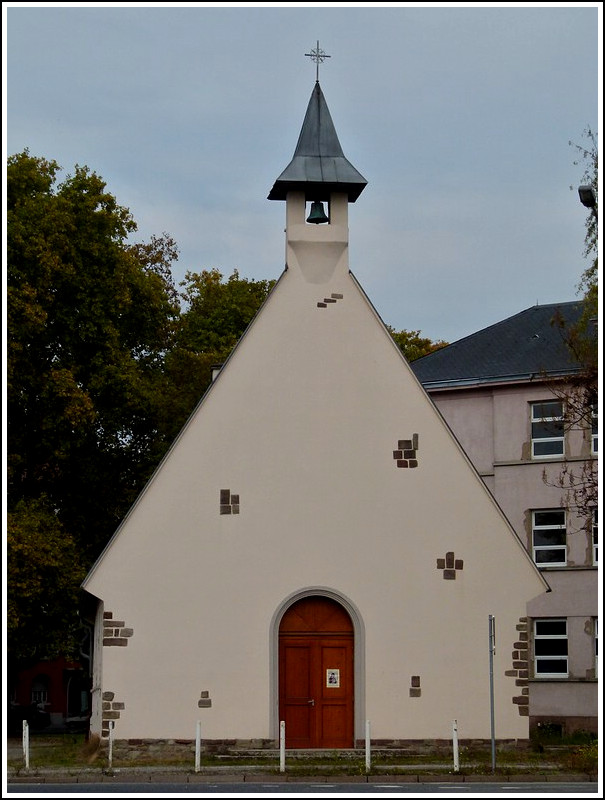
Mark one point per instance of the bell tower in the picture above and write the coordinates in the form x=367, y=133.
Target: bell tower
x=317, y=185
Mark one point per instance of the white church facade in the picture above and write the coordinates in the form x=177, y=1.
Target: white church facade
x=315, y=547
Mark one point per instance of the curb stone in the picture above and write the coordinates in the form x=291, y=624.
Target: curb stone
x=148, y=776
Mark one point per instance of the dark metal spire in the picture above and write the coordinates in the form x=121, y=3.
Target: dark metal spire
x=319, y=166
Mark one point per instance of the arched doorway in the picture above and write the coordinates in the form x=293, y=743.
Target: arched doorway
x=316, y=676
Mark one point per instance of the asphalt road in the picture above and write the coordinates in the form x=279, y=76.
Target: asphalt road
x=239, y=789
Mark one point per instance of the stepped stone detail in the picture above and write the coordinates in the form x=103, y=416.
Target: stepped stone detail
x=520, y=671
x=406, y=454
x=333, y=298
x=111, y=710
x=115, y=634
x=229, y=503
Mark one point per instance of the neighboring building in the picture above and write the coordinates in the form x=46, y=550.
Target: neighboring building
x=52, y=695
x=500, y=391
x=316, y=547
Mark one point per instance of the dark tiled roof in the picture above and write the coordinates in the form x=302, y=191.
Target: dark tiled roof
x=318, y=166
x=525, y=344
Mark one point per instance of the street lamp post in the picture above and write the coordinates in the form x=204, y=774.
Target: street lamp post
x=588, y=198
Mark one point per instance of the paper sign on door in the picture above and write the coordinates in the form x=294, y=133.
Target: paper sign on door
x=333, y=678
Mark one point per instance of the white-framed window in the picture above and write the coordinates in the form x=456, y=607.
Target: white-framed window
x=39, y=690
x=550, y=648
x=547, y=431
x=594, y=416
x=595, y=536
x=549, y=537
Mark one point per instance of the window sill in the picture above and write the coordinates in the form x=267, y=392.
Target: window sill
x=568, y=568
x=542, y=461
x=563, y=680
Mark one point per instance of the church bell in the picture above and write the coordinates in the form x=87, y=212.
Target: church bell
x=317, y=214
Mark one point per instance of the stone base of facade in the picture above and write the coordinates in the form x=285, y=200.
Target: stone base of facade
x=184, y=749
x=554, y=726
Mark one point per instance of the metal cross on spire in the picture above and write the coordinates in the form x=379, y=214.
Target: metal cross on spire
x=318, y=56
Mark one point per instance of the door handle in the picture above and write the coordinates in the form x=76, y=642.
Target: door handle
x=311, y=702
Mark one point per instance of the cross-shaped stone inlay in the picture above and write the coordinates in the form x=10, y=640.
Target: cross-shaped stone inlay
x=319, y=57
x=450, y=565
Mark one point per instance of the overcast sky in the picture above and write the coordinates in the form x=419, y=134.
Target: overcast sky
x=458, y=117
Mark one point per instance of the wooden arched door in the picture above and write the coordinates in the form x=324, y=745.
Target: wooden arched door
x=316, y=674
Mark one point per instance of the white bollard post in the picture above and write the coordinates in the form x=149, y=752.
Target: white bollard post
x=368, y=755
x=455, y=745
x=198, y=744
x=110, y=752
x=26, y=743
x=282, y=746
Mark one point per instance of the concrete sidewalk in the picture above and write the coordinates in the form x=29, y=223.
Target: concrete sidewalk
x=431, y=773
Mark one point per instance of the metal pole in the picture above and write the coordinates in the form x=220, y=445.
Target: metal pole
x=368, y=754
x=198, y=741
x=282, y=746
x=492, y=650
x=26, y=743
x=455, y=745
x=110, y=753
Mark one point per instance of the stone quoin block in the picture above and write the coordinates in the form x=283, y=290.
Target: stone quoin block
x=449, y=574
x=115, y=642
x=441, y=563
x=108, y=695
x=322, y=305
x=413, y=463
x=458, y=564
x=449, y=560
x=107, y=614
x=415, y=692
x=225, y=509
x=415, y=681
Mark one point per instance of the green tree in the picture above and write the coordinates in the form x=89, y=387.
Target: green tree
x=44, y=570
x=90, y=318
x=216, y=313
x=413, y=345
